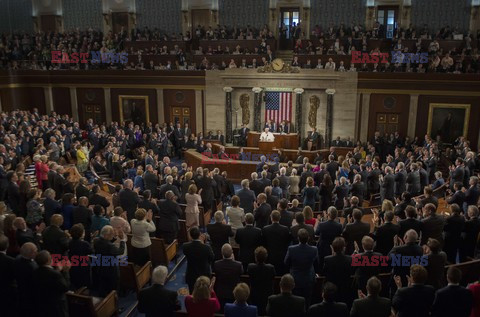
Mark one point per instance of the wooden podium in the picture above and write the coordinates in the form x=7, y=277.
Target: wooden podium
x=266, y=146
x=282, y=141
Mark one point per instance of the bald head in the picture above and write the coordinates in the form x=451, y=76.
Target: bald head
x=29, y=250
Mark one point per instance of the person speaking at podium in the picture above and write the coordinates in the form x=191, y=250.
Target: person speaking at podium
x=267, y=136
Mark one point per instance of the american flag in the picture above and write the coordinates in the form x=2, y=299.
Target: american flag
x=278, y=106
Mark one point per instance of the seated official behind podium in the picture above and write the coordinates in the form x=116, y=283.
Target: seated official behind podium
x=283, y=128
x=267, y=136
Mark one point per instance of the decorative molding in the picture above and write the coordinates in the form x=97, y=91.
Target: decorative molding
x=227, y=89
x=299, y=90
x=330, y=91
x=257, y=90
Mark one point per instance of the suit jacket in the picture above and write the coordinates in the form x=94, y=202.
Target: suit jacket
x=436, y=269
x=82, y=191
x=371, y=306
x=413, y=183
x=248, y=238
x=415, y=300
x=169, y=213
x=452, y=300
x=262, y=215
x=408, y=249
x=59, y=183
x=83, y=215
x=471, y=229
x=286, y=305
x=337, y=270
x=373, y=181
x=276, y=239
x=302, y=260
x=108, y=248
x=51, y=207
x=471, y=195
x=199, y=260
x=55, y=240
x=247, y=197
x=219, y=234
x=51, y=303
x=166, y=187
x=384, y=237
x=327, y=232
x=328, y=309
x=129, y=201
x=457, y=198
x=294, y=232
x=432, y=227
x=239, y=310
x=227, y=272
x=400, y=182
x=286, y=218
x=150, y=182
x=24, y=269
x=256, y=186
x=363, y=273
x=156, y=300
x=261, y=280
x=7, y=278
x=97, y=199
x=407, y=224
x=387, y=190
x=360, y=190
x=355, y=232
x=13, y=198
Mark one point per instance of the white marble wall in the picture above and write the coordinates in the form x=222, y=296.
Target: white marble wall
x=314, y=82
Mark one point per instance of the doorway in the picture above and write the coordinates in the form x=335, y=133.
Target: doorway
x=387, y=123
x=388, y=17
x=48, y=23
x=180, y=115
x=119, y=21
x=91, y=111
x=200, y=17
x=289, y=29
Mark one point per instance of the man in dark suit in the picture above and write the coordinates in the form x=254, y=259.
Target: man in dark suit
x=452, y=231
x=327, y=231
x=156, y=298
x=82, y=189
x=25, y=234
x=387, y=185
x=276, y=238
x=332, y=167
x=400, y=179
x=371, y=305
x=261, y=276
x=411, y=222
x=178, y=138
x=255, y=184
x=97, y=199
x=247, y=197
x=24, y=266
x=244, y=134
x=328, y=307
x=300, y=220
x=219, y=233
x=105, y=245
x=471, y=230
x=170, y=212
x=385, y=233
x=432, y=224
x=311, y=139
x=355, y=231
x=262, y=212
x=82, y=214
x=54, y=301
x=417, y=298
x=413, y=180
x=59, y=182
x=286, y=304
x=373, y=179
x=302, y=260
x=199, y=258
x=13, y=193
x=227, y=273
x=51, y=205
x=453, y=300
x=283, y=128
x=7, y=277
x=150, y=180
x=129, y=199
x=248, y=239
x=457, y=172
x=337, y=270
x=147, y=203
x=55, y=240
x=363, y=273
x=458, y=196
x=471, y=194
x=168, y=186
x=286, y=217
x=358, y=189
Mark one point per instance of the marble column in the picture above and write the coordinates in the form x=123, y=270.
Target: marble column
x=74, y=103
x=228, y=114
x=257, y=107
x=160, y=106
x=329, y=119
x=298, y=112
x=412, y=115
x=108, y=105
x=48, y=99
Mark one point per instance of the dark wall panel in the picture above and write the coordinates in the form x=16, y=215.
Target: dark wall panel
x=61, y=101
x=25, y=98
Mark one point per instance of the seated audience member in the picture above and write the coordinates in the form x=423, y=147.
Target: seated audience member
x=328, y=307
x=227, y=272
x=302, y=260
x=79, y=275
x=156, y=298
x=142, y=226
x=437, y=259
x=199, y=258
x=103, y=245
x=417, y=298
x=55, y=240
x=248, y=239
x=261, y=279
x=219, y=233
x=276, y=239
x=240, y=307
x=355, y=230
x=50, y=285
x=203, y=302
x=285, y=303
x=372, y=304
x=453, y=300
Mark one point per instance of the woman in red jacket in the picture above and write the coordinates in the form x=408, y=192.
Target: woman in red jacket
x=41, y=171
x=203, y=302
